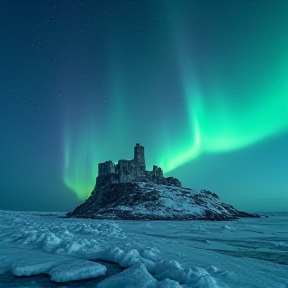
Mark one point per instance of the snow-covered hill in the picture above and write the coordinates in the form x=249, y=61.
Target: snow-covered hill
x=151, y=201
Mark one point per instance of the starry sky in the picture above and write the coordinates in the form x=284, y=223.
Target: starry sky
x=202, y=85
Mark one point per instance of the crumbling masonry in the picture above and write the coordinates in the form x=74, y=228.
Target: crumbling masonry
x=133, y=171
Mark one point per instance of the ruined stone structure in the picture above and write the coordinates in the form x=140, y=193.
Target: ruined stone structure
x=132, y=171
x=127, y=191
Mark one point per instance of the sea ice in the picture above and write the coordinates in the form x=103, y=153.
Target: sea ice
x=136, y=276
x=157, y=254
x=78, y=270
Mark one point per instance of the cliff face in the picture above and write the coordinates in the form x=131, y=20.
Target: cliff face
x=127, y=191
x=150, y=201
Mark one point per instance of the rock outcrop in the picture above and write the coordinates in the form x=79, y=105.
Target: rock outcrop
x=127, y=191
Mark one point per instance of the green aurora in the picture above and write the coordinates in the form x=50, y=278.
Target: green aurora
x=202, y=85
x=230, y=100
x=224, y=128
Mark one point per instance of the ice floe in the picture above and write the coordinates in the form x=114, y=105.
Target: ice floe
x=152, y=254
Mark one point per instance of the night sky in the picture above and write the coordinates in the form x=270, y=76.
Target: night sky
x=201, y=84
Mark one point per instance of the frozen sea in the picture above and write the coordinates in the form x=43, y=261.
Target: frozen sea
x=47, y=250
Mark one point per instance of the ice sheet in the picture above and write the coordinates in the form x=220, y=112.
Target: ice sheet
x=243, y=253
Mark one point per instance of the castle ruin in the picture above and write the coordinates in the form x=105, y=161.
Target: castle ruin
x=133, y=171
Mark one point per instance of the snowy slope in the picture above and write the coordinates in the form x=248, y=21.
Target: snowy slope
x=250, y=252
x=147, y=200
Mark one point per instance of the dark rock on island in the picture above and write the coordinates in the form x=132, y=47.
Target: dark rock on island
x=127, y=191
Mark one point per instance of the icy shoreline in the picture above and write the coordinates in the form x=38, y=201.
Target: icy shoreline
x=153, y=254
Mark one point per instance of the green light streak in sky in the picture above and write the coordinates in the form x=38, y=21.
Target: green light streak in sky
x=224, y=127
x=223, y=120
x=187, y=155
x=84, y=149
x=225, y=112
x=80, y=161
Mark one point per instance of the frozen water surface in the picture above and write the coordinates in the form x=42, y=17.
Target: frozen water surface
x=46, y=250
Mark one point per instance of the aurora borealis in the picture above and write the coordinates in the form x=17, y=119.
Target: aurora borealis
x=202, y=85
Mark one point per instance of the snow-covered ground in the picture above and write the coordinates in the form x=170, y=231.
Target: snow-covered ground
x=152, y=254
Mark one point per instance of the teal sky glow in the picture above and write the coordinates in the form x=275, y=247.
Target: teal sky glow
x=202, y=85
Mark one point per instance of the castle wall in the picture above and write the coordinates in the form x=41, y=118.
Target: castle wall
x=157, y=171
x=133, y=170
x=127, y=170
x=106, y=168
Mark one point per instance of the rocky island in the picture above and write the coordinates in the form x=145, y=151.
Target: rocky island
x=126, y=190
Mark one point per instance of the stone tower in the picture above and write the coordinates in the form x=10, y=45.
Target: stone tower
x=134, y=170
x=139, y=160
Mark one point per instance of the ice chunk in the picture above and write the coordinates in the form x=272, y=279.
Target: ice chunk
x=125, y=258
x=29, y=267
x=51, y=242
x=136, y=276
x=132, y=257
x=112, y=254
x=78, y=270
x=171, y=269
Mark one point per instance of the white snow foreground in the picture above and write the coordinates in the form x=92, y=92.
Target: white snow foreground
x=34, y=262
x=62, y=250
x=68, y=249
